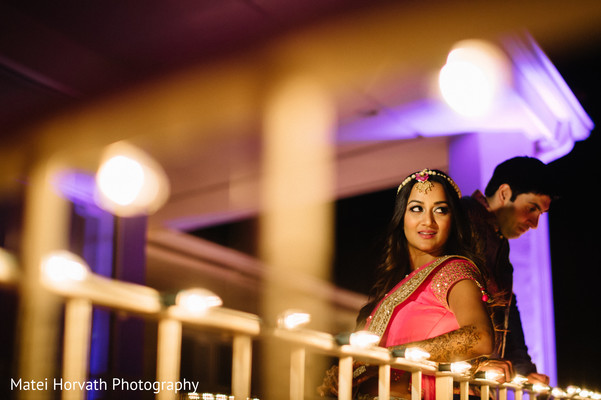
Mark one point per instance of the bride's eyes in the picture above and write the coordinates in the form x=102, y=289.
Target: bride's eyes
x=416, y=209
x=444, y=210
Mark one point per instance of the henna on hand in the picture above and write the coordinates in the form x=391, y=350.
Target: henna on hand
x=460, y=344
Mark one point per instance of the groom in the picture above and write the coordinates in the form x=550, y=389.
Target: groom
x=518, y=193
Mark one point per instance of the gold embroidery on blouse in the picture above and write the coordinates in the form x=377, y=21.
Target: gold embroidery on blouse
x=450, y=274
x=382, y=316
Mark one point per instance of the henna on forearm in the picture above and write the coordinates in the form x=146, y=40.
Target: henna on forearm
x=460, y=344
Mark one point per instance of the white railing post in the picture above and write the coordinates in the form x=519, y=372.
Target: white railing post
x=241, y=366
x=518, y=394
x=297, y=373
x=168, y=354
x=444, y=387
x=384, y=382
x=345, y=378
x=416, y=385
x=464, y=390
x=502, y=393
x=484, y=392
x=78, y=321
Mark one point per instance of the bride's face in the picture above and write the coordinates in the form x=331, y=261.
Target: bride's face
x=427, y=223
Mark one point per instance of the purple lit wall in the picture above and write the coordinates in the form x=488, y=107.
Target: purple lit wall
x=94, y=238
x=530, y=256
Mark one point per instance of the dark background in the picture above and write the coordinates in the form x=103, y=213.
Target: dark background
x=574, y=223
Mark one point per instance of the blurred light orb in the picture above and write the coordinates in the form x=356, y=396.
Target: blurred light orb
x=539, y=388
x=583, y=393
x=474, y=76
x=197, y=301
x=460, y=367
x=416, y=354
x=63, y=266
x=292, y=319
x=129, y=182
x=121, y=179
x=490, y=375
x=519, y=379
x=363, y=339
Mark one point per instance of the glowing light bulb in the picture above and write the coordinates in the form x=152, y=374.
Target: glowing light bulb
x=129, y=182
x=473, y=77
x=292, y=319
x=519, y=379
x=572, y=390
x=489, y=375
x=585, y=393
x=416, y=354
x=363, y=339
x=197, y=301
x=460, y=367
x=61, y=266
x=121, y=179
x=411, y=353
x=539, y=387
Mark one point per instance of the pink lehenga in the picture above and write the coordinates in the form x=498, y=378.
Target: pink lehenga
x=417, y=309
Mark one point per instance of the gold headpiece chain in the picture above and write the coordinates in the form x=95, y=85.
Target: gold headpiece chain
x=423, y=184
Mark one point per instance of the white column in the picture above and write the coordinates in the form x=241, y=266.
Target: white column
x=296, y=221
x=45, y=229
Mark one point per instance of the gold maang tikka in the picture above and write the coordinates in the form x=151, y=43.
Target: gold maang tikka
x=423, y=184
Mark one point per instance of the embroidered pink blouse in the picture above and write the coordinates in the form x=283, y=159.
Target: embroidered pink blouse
x=426, y=313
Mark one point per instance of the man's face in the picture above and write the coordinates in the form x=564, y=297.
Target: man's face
x=516, y=217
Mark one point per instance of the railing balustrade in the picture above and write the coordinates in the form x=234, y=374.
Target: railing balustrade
x=83, y=291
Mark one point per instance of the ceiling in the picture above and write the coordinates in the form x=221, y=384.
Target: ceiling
x=53, y=54
x=86, y=61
